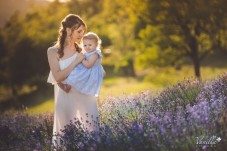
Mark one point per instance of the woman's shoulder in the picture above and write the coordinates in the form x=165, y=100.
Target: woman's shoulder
x=52, y=50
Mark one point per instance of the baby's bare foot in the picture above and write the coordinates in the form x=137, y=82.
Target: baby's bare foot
x=67, y=88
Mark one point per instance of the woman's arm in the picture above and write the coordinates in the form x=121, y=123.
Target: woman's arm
x=89, y=63
x=60, y=75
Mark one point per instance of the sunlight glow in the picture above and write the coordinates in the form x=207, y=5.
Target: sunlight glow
x=62, y=1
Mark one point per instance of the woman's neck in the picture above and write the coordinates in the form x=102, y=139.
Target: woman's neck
x=69, y=48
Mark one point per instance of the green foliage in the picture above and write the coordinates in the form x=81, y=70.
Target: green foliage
x=85, y=8
x=171, y=31
x=25, y=40
x=134, y=34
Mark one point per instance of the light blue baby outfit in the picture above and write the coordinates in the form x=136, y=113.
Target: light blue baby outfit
x=87, y=80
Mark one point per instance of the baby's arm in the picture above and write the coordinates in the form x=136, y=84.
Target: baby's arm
x=89, y=63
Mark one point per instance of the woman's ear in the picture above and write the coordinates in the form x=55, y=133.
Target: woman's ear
x=69, y=31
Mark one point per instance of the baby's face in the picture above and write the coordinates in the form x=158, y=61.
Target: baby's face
x=89, y=45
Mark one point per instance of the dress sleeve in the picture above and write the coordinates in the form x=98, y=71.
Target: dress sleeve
x=51, y=79
x=99, y=53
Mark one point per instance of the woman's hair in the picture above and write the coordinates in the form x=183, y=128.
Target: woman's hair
x=93, y=36
x=70, y=21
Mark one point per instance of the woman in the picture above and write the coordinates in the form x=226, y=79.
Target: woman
x=63, y=57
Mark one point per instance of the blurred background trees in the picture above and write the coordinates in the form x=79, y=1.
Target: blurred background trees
x=135, y=34
x=24, y=41
x=170, y=30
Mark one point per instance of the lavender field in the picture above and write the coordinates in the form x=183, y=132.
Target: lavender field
x=186, y=116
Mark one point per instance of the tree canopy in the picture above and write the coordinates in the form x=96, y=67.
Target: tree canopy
x=147, y=32
x=177, y=29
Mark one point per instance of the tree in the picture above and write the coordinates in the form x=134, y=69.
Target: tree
x=120, y=29
x=24, y=41
x=10, y=33
x=2, y=55
x=187, y=28
x=85, y=8
x=112, y=25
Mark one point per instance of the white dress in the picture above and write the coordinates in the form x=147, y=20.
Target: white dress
x=72, y=105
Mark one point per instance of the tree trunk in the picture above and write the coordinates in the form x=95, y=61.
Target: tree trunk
x=196, y=64
x=194, y=54
x=14, y=91
x=131, y=67
x=14, y=95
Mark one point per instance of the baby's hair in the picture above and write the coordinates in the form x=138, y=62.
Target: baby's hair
x=93, y=36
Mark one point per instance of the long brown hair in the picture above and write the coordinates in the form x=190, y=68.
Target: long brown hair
x=73, y=22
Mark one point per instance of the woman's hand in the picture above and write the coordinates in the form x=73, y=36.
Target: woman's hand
x=80, y=57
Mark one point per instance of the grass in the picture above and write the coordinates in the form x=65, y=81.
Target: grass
x=124, y=85
x=45, y=106
x=153, y=79
x=111, y=87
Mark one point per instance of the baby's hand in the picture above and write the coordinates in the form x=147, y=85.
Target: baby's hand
x=80, y=57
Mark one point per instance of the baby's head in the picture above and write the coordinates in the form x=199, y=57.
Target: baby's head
x=91, y=42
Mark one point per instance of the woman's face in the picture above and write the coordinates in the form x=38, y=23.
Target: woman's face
x=78, y=34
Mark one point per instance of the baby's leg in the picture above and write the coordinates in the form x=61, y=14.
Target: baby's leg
x=64, y=87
